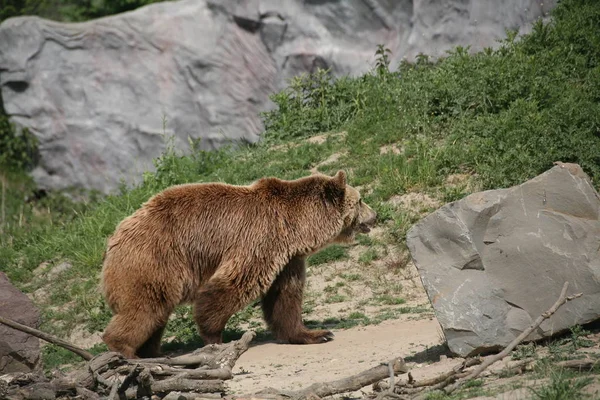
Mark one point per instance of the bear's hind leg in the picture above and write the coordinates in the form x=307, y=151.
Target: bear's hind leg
x=151, y=348
x=282, y=307
x=127, y=333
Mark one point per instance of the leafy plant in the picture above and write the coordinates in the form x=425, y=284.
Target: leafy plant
x=382, y=60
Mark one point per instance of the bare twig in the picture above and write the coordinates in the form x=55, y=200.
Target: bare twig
x=562, y=299
x=48, y=338
x=412, y=386
x=457, y=370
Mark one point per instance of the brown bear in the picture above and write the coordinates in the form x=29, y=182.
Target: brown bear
x=219, y=247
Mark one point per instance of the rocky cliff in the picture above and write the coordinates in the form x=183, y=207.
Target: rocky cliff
x=95, y=93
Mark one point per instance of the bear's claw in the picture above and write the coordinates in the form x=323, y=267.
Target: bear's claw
x=329, y=336
x=312, y=337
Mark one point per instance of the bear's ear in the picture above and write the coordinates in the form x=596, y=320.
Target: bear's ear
x=340, y=178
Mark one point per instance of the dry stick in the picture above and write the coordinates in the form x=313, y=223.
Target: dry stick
x=579, y=365
x=48, y=338
x=444, y=377
x=490, y=360
x=352, y=383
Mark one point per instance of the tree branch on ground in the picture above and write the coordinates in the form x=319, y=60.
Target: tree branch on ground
x=110, y=375
x=349, y=384
x=86, y=355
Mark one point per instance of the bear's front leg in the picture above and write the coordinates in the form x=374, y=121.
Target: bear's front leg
x=282, y=306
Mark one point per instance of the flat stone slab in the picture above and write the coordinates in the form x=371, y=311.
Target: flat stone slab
x=491, y=263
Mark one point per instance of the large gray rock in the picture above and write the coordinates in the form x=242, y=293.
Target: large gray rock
x=19, y=352
x=494, y=261
x=95, y=93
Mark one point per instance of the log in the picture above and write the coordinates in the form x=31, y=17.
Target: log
x=188, y=385
x=198, y=373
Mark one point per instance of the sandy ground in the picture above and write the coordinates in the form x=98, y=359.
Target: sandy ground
x=291, y=367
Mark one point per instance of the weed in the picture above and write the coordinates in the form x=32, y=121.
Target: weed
x=382, y=60
x=561, y=387
x=368, y=256
x=351, y=277
x=335, y=298
x=389, y=299
x=329, y=254
x=524, y=351
x=365, y=240
x=578, y=340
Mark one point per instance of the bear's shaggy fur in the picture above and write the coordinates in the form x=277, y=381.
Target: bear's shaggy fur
x=219, y=247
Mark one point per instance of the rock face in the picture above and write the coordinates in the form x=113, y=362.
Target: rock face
x=492, y=262
x=19, y=352
x=95, y=93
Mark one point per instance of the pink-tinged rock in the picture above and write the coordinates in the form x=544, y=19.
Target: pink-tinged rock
x=19, y=351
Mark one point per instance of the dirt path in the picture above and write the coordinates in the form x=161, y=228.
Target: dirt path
x=354, y=350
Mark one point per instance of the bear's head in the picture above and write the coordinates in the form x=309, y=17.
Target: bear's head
x=357, y=215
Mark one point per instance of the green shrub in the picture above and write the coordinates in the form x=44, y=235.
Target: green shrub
x=18, y=150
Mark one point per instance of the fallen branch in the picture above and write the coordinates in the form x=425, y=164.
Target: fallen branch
x=562, y=299
x=412, y=386
x=579, y=365
x=215, y=356
x=349, y=384
x=188, y=385
x=48, y=338
x=198, y=373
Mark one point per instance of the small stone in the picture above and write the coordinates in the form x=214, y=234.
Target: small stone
x=59, y=269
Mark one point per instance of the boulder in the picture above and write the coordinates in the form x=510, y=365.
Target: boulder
x=494, y=261
x=95, y=93
x=19, y=352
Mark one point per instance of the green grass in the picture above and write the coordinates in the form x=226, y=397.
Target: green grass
x=502, y=116
x=329, y=254
x=562, y=386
